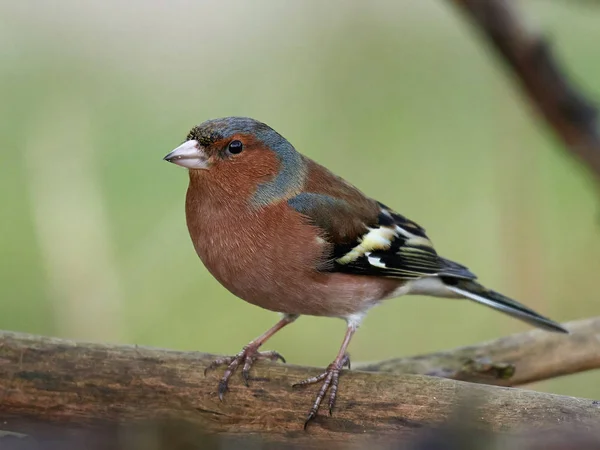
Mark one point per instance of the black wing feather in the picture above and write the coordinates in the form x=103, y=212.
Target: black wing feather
x=382, y=243
x=410, y=255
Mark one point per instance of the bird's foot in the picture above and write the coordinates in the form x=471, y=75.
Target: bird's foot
x=330, y=379
x=247, y=357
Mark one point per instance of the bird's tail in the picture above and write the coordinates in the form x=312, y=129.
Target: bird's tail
x=480, y=294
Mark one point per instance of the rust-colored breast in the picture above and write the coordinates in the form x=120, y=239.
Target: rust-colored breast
x=256, y=254
x=270, y=255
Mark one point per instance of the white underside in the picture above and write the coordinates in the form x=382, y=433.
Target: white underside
x=432, y=286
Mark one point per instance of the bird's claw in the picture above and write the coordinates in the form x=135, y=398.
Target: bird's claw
x=218, y=362
x=223, y=387
x=330, y=379
x=247, y=356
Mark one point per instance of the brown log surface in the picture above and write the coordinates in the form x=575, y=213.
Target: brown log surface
x=55, y=381
x=513, y=360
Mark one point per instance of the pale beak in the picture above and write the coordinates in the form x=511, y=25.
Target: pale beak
x=189, y=154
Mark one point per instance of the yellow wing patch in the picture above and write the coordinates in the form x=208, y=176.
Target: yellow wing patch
x=413, y=239
x=376, y=239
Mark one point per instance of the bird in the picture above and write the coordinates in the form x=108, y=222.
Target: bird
x=284, y=233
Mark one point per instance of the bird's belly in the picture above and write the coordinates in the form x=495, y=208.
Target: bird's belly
x=299, y=290
x=272, y=260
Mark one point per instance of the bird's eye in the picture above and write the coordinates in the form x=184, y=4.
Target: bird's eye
x=235, y=147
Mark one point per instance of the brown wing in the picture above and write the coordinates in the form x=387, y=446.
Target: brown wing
x=367, y=237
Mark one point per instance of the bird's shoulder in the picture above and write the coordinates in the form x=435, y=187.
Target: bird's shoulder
x=334, y=205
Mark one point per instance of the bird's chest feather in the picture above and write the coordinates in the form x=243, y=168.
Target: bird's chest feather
x=260, y=255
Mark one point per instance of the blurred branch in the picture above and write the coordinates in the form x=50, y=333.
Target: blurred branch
x=573, y=117
x=54, y=382
x=509, y=361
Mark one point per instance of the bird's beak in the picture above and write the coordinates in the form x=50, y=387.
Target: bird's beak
x=190, y=154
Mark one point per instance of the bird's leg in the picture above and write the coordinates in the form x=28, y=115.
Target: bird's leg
x=249, y=355
x=330, y=377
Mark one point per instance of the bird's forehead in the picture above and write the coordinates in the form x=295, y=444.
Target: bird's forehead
x=216, y=129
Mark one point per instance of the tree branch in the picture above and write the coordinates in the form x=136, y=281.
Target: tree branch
x=573, y=118
x=56, y=382
x=509, y=361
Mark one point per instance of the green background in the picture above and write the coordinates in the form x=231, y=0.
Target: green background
x=401, y=98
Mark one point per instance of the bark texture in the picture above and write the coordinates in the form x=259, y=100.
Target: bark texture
x=509, y=361
x=54, y=382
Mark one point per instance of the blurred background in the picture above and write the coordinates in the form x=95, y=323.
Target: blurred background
x=401, y=98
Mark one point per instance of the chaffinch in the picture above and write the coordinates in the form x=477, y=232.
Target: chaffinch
x=284, y=233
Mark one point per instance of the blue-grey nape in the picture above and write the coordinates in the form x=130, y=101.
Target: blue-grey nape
x=289, y=179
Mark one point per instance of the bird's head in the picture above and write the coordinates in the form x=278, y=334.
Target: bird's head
x=240, y=152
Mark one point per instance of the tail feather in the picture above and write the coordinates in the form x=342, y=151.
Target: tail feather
x=478, y=293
